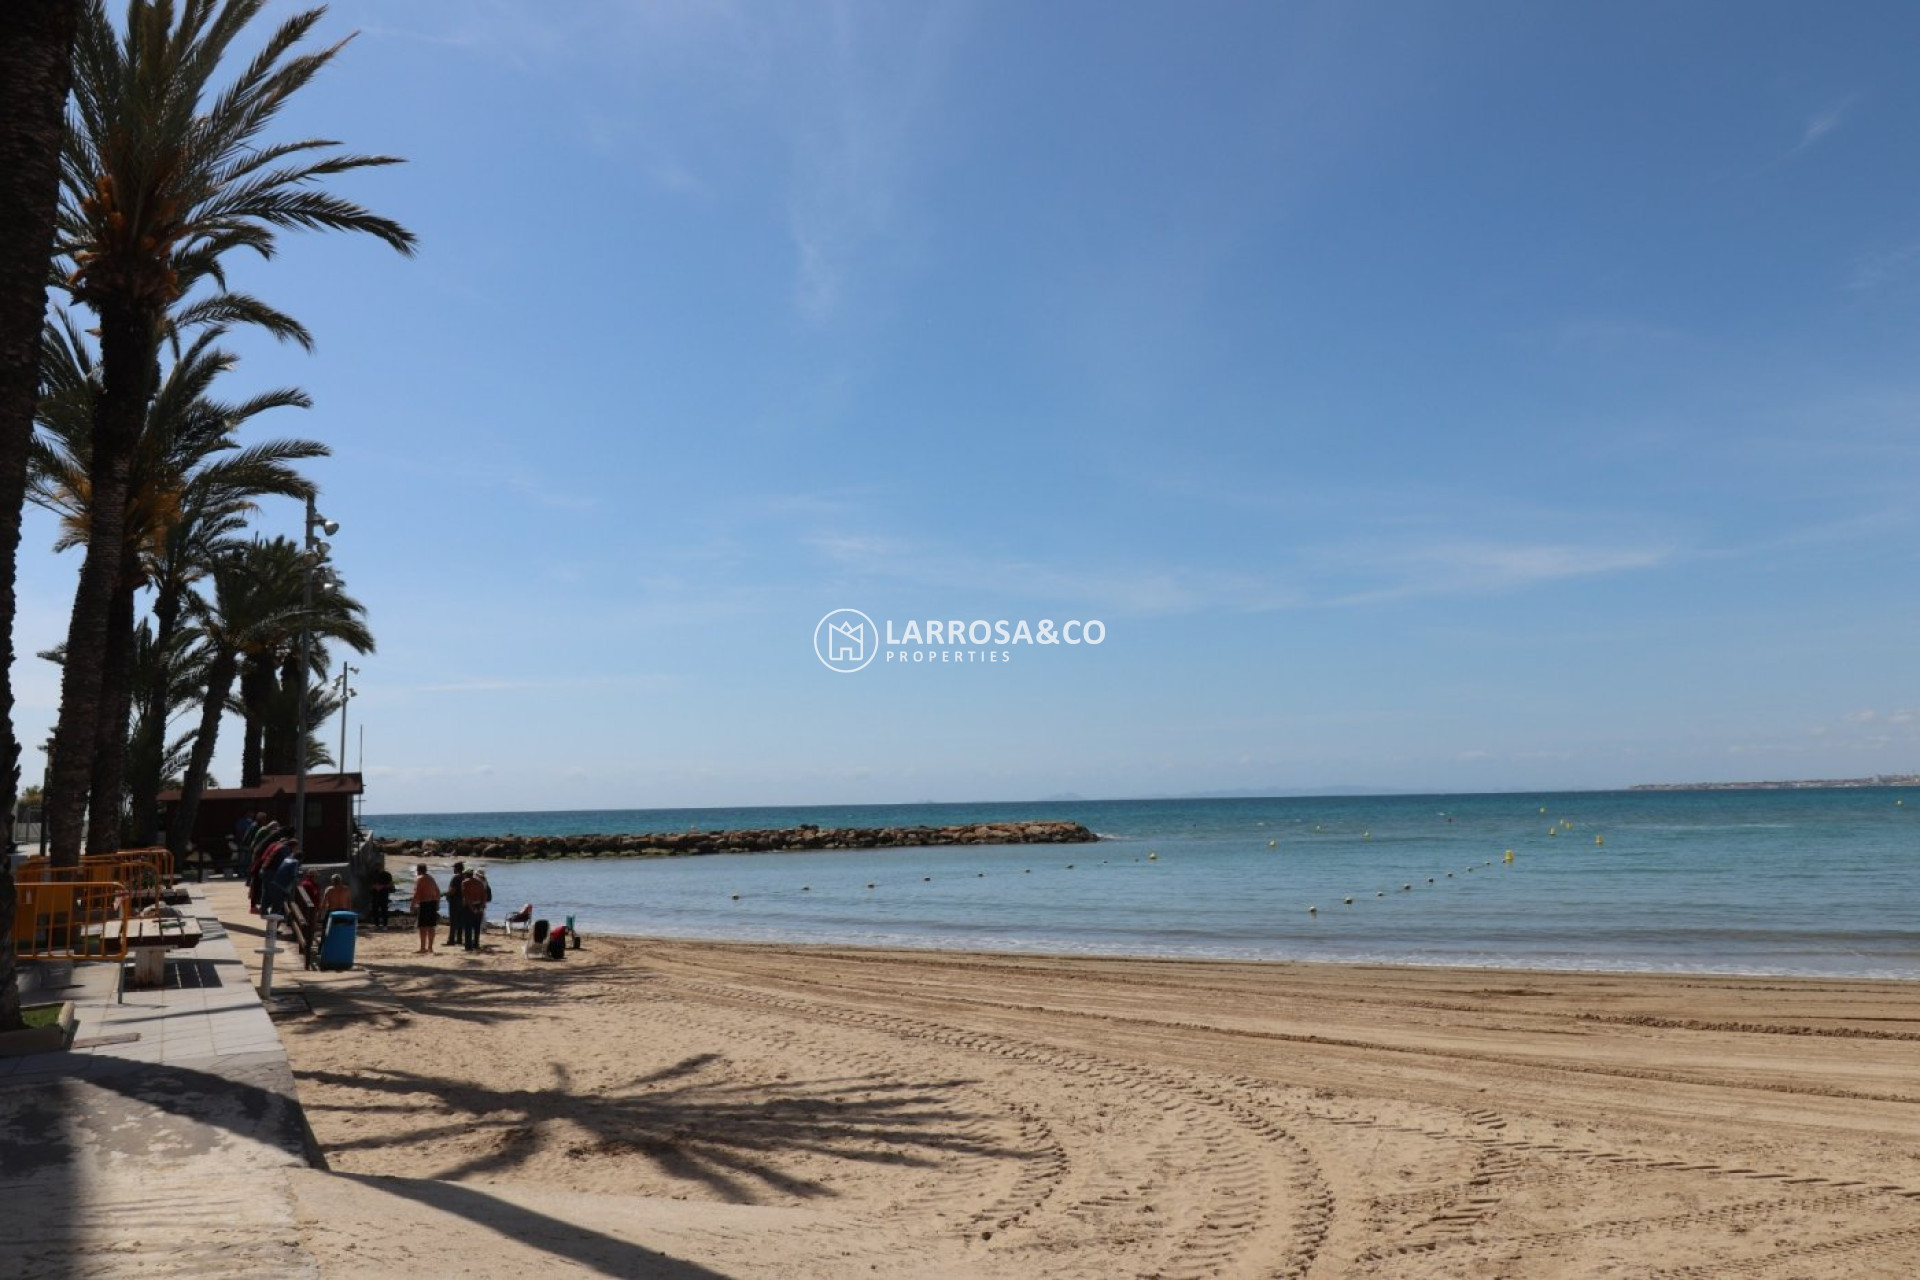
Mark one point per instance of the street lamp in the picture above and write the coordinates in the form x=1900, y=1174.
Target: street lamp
x=345, y=693
x=315, y=568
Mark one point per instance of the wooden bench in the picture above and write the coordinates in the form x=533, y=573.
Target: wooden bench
x=150, y=939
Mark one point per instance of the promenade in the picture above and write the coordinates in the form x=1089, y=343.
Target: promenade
x=170, y=1141
x=162, y=1142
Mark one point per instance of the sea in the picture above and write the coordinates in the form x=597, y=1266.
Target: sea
x=1819, y=882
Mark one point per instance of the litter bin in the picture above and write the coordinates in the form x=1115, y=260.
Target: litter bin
x=336, y=947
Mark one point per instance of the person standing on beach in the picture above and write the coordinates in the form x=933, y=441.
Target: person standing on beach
x=380, y=896
x=426, y=907
x=473, y=898
x=457, y=907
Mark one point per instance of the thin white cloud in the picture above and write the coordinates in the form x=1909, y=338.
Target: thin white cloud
x=1873, y=270
x=1484, y=568
x=853, y=117
x=506, y=686
x=1824, y=122
x=1817, y=128
x=1327, y=578
x=418, y=772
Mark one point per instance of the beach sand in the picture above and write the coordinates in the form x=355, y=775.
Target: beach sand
x=691, y=1109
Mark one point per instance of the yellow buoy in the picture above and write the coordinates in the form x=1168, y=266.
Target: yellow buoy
x=1366, y=835
x=1153, y=857
x=1553, y=831
x=1509, y=857
x=1273, y=844
x=1598, y=840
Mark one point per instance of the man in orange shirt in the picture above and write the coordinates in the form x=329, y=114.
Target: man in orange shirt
x=474, y=895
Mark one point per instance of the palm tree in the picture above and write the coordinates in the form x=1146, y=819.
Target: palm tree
x=36, y=67
x=190, y=482
x=163, y=176
x=269, y=673
x=168, y=677
x=256, y=616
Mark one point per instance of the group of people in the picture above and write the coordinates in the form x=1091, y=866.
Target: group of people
x=277, y=882
x=271, y=858
x=466, y=896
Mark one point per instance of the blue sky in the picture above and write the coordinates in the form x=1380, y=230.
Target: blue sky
x=1458, y=397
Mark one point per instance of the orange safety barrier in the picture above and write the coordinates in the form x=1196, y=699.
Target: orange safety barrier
x=143, y=871
x=71, y=920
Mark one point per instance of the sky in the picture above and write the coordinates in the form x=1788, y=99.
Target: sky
x=1461, y=397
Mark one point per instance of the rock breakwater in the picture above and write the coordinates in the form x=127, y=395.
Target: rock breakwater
x=681, y=844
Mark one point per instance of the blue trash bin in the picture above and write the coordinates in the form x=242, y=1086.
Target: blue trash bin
x=336, y=947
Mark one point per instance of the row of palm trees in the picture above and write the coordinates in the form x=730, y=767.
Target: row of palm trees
x=133, y=206
x=191, y=488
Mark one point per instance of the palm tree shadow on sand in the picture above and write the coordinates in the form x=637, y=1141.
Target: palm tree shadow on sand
x=686, y=1120
x=261, y=1111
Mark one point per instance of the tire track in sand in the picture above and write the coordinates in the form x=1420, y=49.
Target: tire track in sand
x=1236, y=1227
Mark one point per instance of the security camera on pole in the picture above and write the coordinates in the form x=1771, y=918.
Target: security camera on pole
x=318, y=568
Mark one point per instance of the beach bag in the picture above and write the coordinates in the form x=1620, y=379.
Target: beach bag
x=540, y=932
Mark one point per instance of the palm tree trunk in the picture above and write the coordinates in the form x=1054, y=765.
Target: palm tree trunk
x=283, y=724
x=36, y=40
x=219, y=683
x=128, y=342
x=106, y=805
x=256, y=690
x=145, y=780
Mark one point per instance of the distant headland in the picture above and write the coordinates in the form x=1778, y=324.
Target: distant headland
x=1812, y=784
x=681, y=844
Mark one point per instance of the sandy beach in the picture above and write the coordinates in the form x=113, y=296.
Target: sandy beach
x=687, y=1109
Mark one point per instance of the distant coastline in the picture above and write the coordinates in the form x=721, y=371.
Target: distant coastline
x=1812, y=784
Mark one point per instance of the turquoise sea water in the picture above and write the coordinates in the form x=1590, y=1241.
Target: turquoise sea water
x=1777, y=882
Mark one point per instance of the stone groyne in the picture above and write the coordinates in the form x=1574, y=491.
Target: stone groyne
x=681, y=844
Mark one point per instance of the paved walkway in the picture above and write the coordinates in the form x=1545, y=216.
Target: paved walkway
x=170, y=1142
x=164, y=1141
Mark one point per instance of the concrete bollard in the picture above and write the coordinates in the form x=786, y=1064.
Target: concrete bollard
x=266, y=960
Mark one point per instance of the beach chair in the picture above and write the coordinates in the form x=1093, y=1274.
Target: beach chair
x=521, y=920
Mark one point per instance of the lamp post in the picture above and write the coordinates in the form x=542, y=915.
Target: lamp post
x=345, y=693
x=316, y=567
x=46, y=776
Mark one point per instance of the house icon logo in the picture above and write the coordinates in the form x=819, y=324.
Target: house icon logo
x=845, y=640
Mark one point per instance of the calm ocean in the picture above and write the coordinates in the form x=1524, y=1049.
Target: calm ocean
x=1768, y=882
